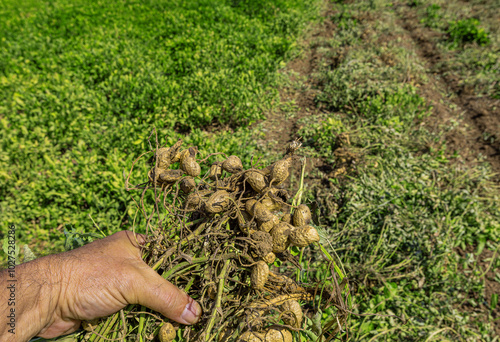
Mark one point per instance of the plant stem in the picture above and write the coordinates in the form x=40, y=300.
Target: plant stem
x=222, y=280
x=298, y=196
x=142, y=319
x=300, y=262
x=172, y=249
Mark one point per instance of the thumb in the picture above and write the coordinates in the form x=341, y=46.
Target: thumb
x=162, y=296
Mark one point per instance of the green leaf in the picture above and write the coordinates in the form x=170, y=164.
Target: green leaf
x=28, y=254
x=494, y=301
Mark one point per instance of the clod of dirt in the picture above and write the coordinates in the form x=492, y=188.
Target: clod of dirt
x=262, y=244
x=187, y=184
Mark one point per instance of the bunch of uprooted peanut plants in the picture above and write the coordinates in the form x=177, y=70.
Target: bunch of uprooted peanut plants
x=215, y=235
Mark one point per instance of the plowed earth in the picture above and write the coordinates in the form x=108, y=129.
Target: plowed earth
x=473, y=140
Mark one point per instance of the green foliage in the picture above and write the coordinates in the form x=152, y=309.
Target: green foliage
x=75, y=238
x=433, y=17
x=344, y=19
x=469, y=48
x=82, y=84
x=467, y=31
x=402, y=211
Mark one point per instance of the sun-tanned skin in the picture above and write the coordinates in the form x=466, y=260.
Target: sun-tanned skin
x=55, y=293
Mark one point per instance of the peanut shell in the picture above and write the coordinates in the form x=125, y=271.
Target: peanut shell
x=280, y=235
x=251, y=336
x=268, y=225
x=260, y=273
x=174, y=151
x=294, y=311
x=191, y=167
x=278, y=335
x=189, y=164
x=269, y=258
x=286, y=218
x=256, y=180
x=167, y=333
x=303, y=236
x=183, y=154
x=301, y=216
x=232, y=164
x=163, y=157
x=154, y=174
x=271, y=204
x=280, y=171
x=215, y=172
x=219, y=201
x=243, y=220
x=194, y=199
x=171, y=176
x=249, y=205
x=261, y=213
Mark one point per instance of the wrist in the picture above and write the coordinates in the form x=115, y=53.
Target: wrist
x=36, y=286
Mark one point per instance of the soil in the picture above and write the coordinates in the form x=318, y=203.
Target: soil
x=478, y=131
x=475, y=138
x=281, y=129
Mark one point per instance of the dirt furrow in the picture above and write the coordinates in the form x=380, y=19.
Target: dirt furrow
x=479, y=130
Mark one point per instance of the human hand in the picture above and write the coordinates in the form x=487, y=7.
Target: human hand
x=96, y=280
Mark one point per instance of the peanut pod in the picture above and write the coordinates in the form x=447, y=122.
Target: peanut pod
x=303, y=236
x=294, y=313
x=279, y=172
x=171, y=176
x=280, y=234
x=167, y=333
x=301, y=216
x=187, y=184
x=268, y=225
x=260, y=273
x=232, y=164
x=256, y=180
x=189, y=164
x=215, y=171
x=218, y=202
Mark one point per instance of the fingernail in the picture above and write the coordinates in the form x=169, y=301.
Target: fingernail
x=192, y=312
